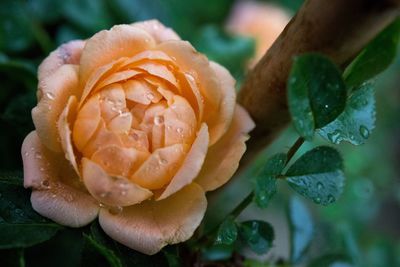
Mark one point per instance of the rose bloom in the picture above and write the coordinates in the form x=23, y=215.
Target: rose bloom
x=133, y=126
x=261, y=21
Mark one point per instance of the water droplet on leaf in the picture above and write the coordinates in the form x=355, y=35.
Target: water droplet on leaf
x=364, y=131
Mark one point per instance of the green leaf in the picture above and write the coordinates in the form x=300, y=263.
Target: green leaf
x=91, y=244
x=318, y=175
x=265, y=180
x=258, y=235
x=20, y=225
x=374, y=58
x=316, y=93
x=103, y=249
x=171, y=253
x=301, y=228
x=12, y=258
x=227, y=232
x=331, y=260
x=357, y=121
x=232, y=52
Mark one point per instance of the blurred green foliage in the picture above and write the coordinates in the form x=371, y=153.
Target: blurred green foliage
x=362, y=227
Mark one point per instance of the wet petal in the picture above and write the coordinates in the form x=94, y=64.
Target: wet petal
x=112, y=101
x=55, y=91
x=109, y=45
x=160, y=71
x=141, y=92
x=156, y=29
x=191, y=165
x=56, y=191
x=113, y=191
x=150, y=226
x=64, y=129
x=121, y=123
x=119, y=161
x=87, y=122
x=68, y=53
x=220, y=122
x=223, y=157
x=160, y=167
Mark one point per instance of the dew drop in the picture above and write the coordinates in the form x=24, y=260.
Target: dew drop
x=163, y=161
x=364, y=131
x=54, y=196
x=50, y=96
x=123, y=114
x=101, y=205
x=335, y=136
x=104, y=194
x=26, y=154
x=317, y=200
x=123, y=193
x=158, y=120
x=326, y=106
x=150, y=96
x=179, y=130
x=331, y=199
x=45, y=183
x=115, y=210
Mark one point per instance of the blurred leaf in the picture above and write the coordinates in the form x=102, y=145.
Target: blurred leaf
x=331, y=260
x=316, y=93
x=318, y=175
x=376, y=57
x=217, y=252
x=89, y=15
x=227, y=232
x=12, y=258
x=114, y=253
x=265, y=180
x=93, y=249
x=20, y=225
x=171, y=253
x=15, y=28
x=258, y=235
x=67, y=33
x=301, y=228
x=45, y=10
x=357, y=121
x=232, y=52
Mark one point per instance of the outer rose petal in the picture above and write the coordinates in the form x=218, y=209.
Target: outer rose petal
x=109, y=45
x=191, y=165
x=150, y=226
x=52, y=197
x=64, y=129
x=55, y=91
x=159, y=32
x=68, y=53
x=227, y=106
x=113, y=191
x=223, y=157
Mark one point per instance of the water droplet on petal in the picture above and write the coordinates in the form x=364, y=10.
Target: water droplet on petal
x=26, y=154
x=101, y=205
x=158, y=120
x=104, y=194
x=163, y=161
x=179, y=130
x=364, y=131
x=50, y=96
x=150, y=96
x=54, y=196
x=45, y=184
x=115, y=210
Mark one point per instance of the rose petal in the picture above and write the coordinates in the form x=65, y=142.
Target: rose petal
x=191, y=165
x=160, y=167
x=109, y=45
x=57, y=193
x=156, y=29
x=223, y=157
x=220, y=122
x=158, y=70
x=150, y=226
x=116, y=77
x=119, y=161
x=148, y=55
x=198, y=67
x=180, y=122
x=67, y=116
x=141, y=92
x=112, y=101
x=113, y=191
x=68, y=53
x=55, y=90
x=87, y=122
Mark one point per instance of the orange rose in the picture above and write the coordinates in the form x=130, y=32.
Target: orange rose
x=261, y=21
x=134, y=126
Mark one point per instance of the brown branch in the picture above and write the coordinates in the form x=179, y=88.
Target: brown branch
x=336, y=28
